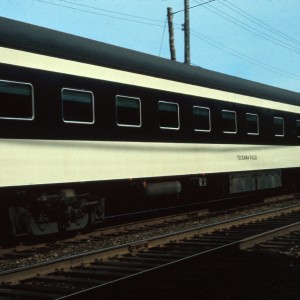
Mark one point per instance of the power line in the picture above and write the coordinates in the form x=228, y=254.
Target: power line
x=244, y=57
x=122, y=14
x=111, y=11
x=101, y=14
x=258, y=22
x=199, y=4
x=162, y=38
x=194, y=33
x=252, y=29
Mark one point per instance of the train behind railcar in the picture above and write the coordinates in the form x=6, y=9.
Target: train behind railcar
x=87, y=127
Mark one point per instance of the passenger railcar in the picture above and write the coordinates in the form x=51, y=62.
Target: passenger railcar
x=78, y=115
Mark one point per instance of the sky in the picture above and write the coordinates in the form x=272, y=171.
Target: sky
x=258, y=40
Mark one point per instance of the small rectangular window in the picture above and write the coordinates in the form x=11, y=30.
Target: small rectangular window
x=77, y=106
x=16, y=100
x=278, y=126
x=168, y=115
x=128, y=110
x=229, y=121
x=298, y=128
x=252, y=125
x=201, y=117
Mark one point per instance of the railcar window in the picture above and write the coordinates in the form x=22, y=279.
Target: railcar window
x=128, y=111
x=229, y=121
x=298, y=128
x=77, y=106
x=278, y=126
x=252, y=124
x=16, y=100
x=201, y=117
x=168, y=115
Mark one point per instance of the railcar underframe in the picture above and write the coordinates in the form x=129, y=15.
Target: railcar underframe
x=50, y=209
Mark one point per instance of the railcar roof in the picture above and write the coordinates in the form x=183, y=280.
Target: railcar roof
x=19, y=35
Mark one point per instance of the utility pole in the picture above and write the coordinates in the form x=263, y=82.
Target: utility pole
x=171, y=34
x=187, y=56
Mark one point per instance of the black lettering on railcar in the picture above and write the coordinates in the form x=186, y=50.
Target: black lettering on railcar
x=247, y=157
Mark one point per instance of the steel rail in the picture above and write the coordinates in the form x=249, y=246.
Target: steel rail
x=241, y=244
x=44, y=268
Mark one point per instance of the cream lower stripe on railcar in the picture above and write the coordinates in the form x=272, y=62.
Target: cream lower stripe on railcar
x=53, y=64
x=25, y=162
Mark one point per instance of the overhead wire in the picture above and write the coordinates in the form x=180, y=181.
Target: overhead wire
x=102, y=14
x=163, y=35
x=244, y=57
x=110, y=16
x=110, y=11
x=199, y=4
x=149, y=21
x=260, y=23
x=251, y=29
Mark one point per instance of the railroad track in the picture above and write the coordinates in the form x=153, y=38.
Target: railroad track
x=100, y=272
x=24, y=254
x=21, y=250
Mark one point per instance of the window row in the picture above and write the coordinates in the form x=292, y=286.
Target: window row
x=16, y=102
